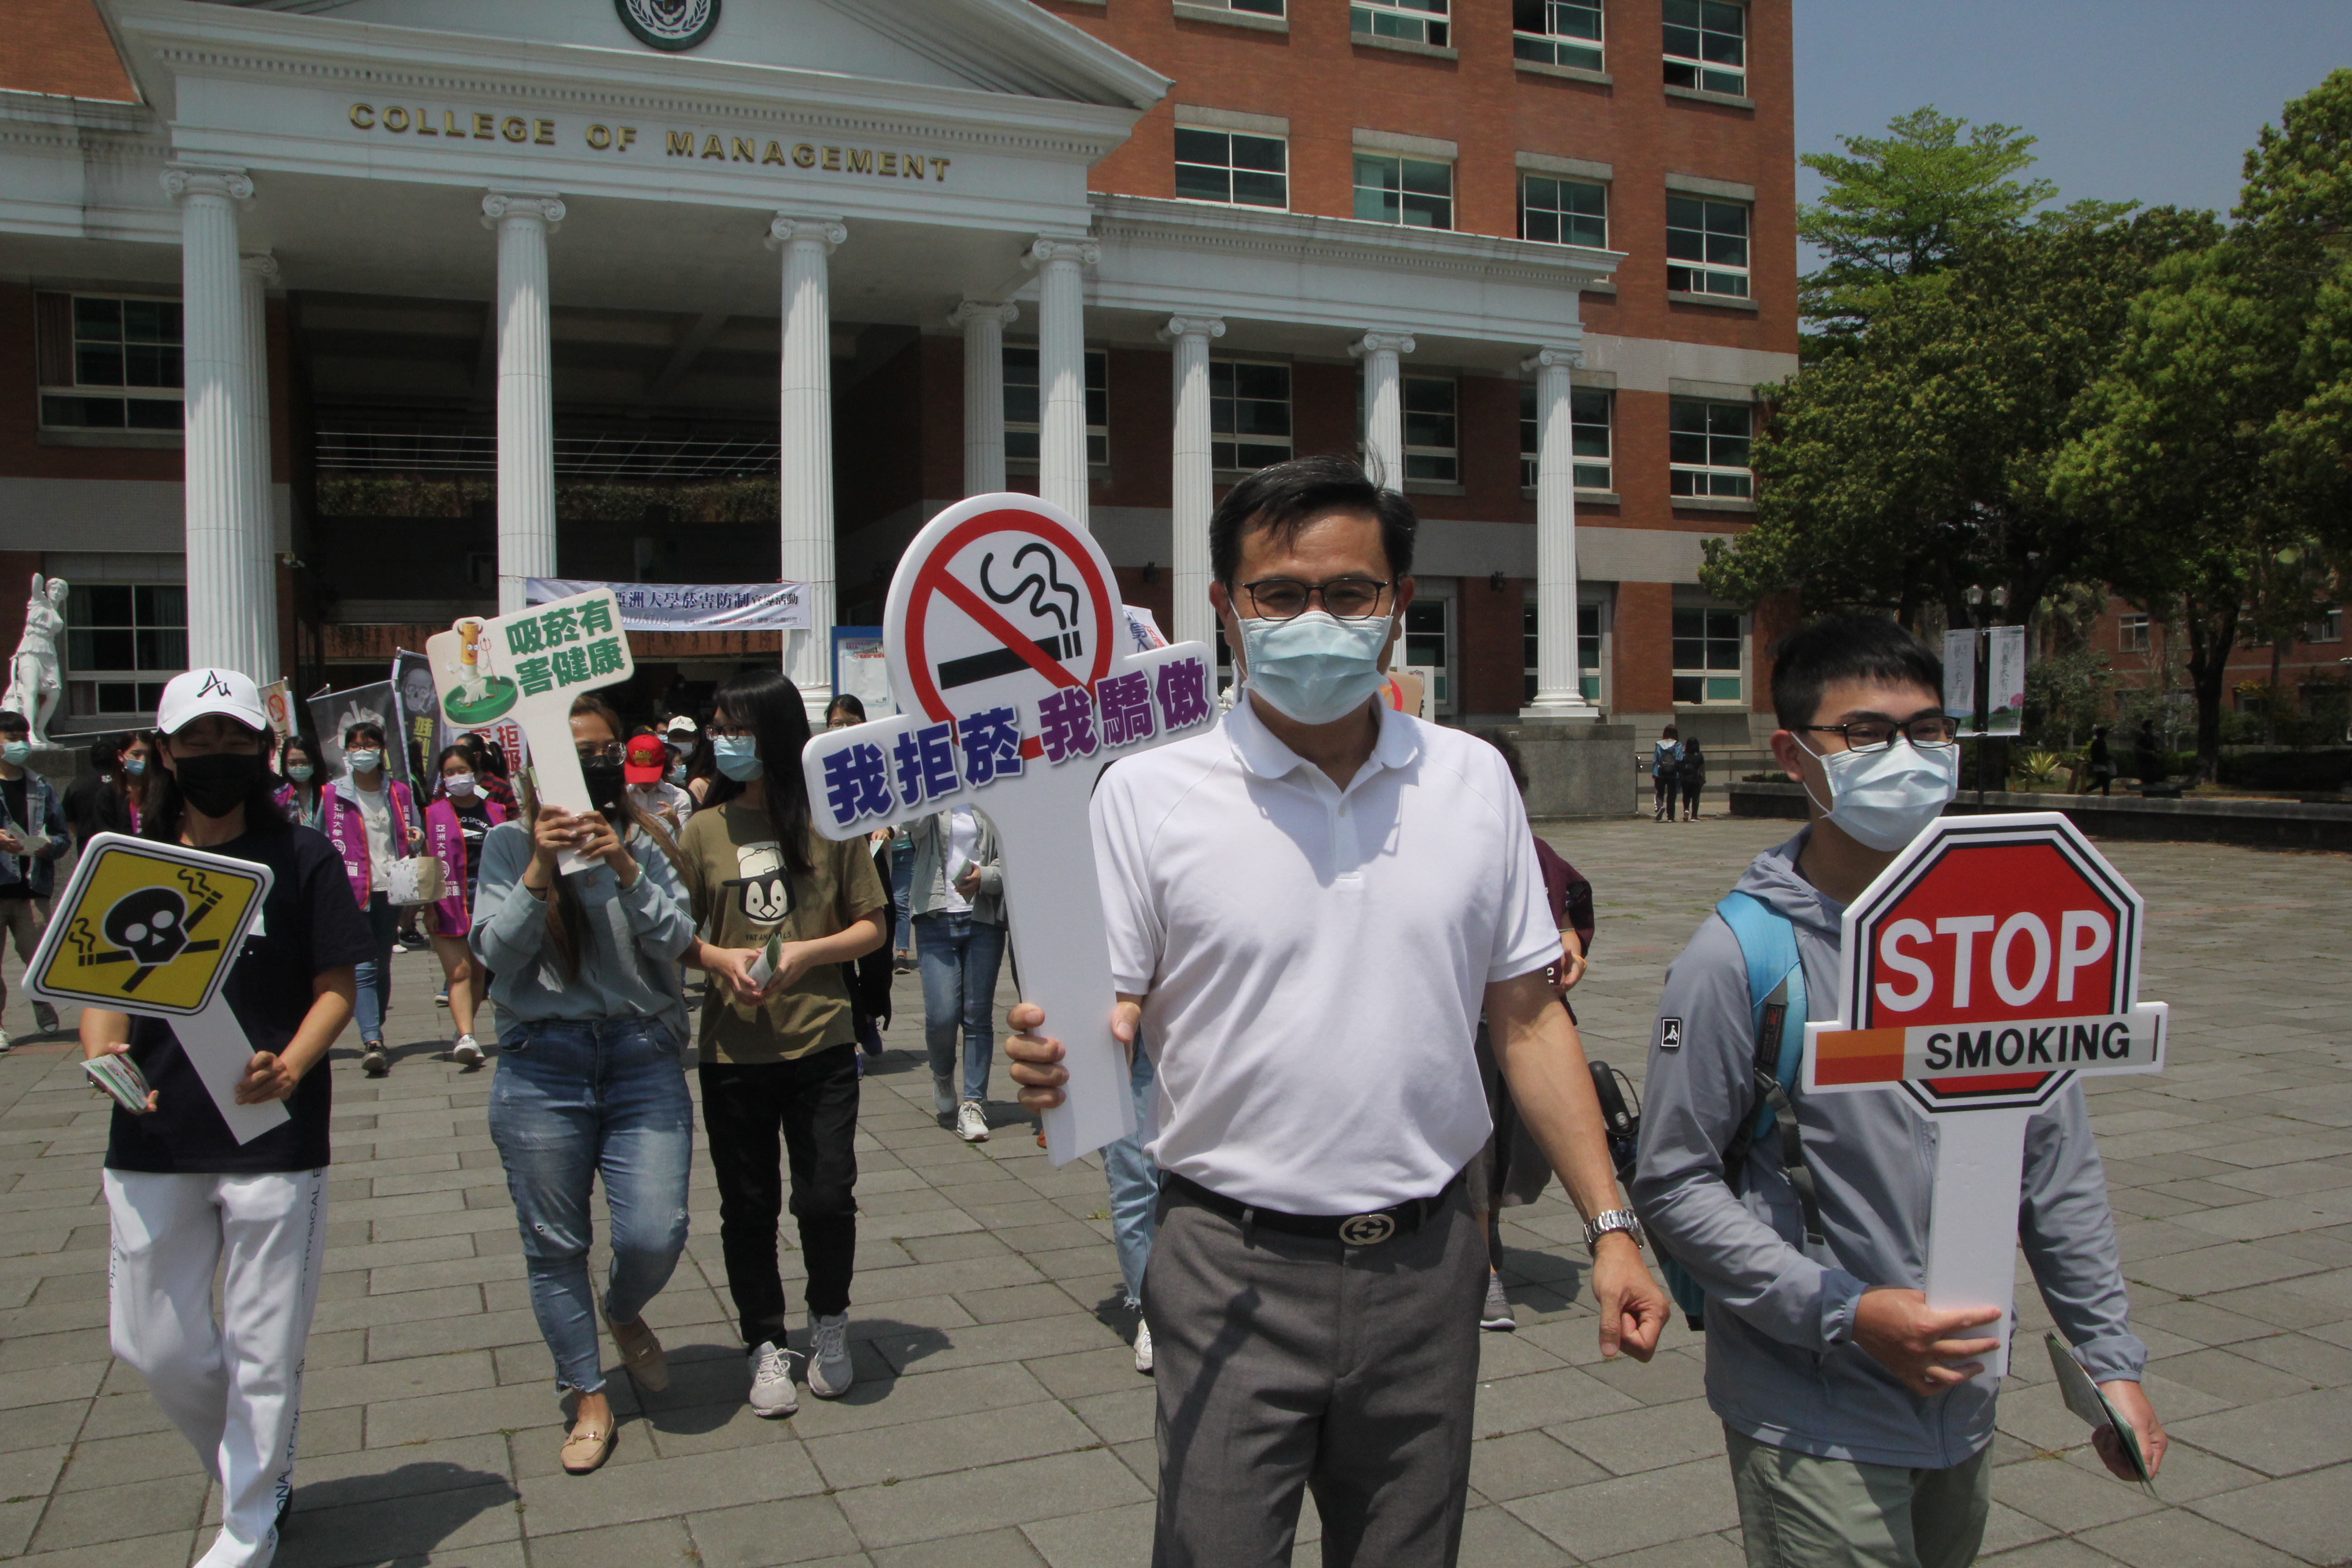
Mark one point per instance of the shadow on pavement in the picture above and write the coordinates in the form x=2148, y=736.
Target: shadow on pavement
x=381, y=1521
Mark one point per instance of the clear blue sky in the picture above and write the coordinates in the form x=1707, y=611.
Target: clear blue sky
x=2149, y=101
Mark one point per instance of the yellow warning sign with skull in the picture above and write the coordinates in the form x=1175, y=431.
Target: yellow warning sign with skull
x=146, y=927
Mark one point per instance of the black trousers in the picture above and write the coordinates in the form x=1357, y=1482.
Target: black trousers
x=813, y=1102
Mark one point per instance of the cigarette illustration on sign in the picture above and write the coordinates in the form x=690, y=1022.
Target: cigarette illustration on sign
x=1003, y=633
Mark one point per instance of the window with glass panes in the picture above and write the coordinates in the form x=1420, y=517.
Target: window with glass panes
x=1415, y=192
x=109, y=364
x=1249, y=414
x=1588, y=412
x=2132, y=633
x=1416, y=21
x=1233, y=166
x=2328, y=627
x=1706, y=656
x=1706, y=444
x=1427, y=646
x=1706, y=246
x=1022, y=402
x=1252, y=7
x=1557, y=32
x=1431, y=430
x=1563, y=212
x=123, y=641
x=1706, y=45
x=1588, y=649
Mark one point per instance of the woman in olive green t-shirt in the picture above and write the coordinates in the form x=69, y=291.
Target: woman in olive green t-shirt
x=779, y=1058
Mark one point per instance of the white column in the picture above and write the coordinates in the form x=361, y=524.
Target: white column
x=1558, y=693
x=1383, y=405
x=1062, y=369
x=259, y=271
x=526, y=390
x=219, y=456
x=983, y=322
x=1191, y=475
x=805, y=433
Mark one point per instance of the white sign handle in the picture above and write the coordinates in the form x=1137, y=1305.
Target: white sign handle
x=216, y=1045
x=1972, y=1231
x=1062, y=953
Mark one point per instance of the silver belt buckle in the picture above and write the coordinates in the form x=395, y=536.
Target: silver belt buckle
x=1367, y=1229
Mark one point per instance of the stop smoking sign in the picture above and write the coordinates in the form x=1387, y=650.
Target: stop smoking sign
x=1994, y=961
x=1003, y=626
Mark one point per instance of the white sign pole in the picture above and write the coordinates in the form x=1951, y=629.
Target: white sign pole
x=1972, y=1231
x=1009, y=647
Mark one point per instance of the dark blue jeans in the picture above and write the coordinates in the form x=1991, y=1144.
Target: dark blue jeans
x=958, y=957
x=574, y=1102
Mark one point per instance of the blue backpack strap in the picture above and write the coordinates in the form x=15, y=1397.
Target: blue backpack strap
x=1776, y=1000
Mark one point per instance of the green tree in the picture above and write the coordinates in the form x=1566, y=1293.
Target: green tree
x=1906, y=205
x=1911, y=469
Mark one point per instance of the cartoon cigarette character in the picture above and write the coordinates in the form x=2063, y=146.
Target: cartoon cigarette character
x=469, y=659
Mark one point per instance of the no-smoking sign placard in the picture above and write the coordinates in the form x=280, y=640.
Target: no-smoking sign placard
x=1004, y=630
x=1996, y=960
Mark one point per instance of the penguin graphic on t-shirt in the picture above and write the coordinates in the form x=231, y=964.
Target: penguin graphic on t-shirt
x=767, y=888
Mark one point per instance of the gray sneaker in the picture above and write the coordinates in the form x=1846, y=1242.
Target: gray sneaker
x=1496, y=1313
x=943, y=1094
x=45, y=1016
x=772, y=1394
x=830, y=1372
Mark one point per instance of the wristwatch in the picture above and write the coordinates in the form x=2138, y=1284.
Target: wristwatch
x=1608, y=1220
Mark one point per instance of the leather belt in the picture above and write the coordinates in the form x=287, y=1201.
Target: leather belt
x=1369, y=1230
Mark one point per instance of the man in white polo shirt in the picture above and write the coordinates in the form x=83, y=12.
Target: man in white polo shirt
x=1308, y=907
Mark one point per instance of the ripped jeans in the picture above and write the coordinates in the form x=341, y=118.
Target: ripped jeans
x=574, y=1101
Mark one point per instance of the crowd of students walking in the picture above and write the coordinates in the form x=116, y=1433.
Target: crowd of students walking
x=1309, y=1240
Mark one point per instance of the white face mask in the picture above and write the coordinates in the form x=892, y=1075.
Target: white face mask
x=1883, y=799
x=458, y=783
x=1315, y=668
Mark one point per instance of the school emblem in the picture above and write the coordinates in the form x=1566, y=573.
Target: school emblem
x=670, y=25
x=1670, y=1034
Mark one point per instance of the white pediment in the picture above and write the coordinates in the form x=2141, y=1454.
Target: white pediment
x=992, y=46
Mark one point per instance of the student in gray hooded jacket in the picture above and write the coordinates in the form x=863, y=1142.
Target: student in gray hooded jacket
x=1857, y=1420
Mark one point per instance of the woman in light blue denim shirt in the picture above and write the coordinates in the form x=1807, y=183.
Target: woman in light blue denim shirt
x=591, y=1079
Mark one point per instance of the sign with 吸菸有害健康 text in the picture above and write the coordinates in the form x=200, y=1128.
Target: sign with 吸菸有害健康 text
x=1021, y=677
x=1994, y=962
x=527, y=667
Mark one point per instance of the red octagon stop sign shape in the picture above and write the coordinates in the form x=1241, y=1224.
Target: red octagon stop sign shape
x=1996, y=957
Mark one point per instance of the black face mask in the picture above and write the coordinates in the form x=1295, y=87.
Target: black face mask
x=608, y=787
x=217, y=783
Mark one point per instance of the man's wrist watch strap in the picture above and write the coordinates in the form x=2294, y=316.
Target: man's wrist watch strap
x=1602, y=1224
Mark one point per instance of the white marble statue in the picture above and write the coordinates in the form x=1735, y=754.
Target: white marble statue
x=36, y=674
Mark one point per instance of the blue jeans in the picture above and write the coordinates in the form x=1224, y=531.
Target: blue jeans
x=1134, y=1181
x=375, y=973
x=574, y=1101
x=902, y=883
x=958, y=958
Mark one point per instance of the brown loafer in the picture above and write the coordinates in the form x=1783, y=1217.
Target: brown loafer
x=642, y=1353
x=587, y=1445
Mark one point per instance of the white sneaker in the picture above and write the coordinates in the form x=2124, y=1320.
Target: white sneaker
x=772, y=1394
x=4, y=1042
x=943, y=1094
x=971, y=1122
x=1143, y=1349
x=830, y=1373
x=467, y=1052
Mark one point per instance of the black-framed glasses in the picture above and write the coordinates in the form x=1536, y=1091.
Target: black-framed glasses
x=1347, y=598
x=1928, y=729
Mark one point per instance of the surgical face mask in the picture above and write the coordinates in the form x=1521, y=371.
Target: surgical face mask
x=739, y=757
x=16, y=752
x=458, y=783
x=677, y=774
x=1315, y=668
x=363, y=762
x=134, y=766
x=608, y=785
x=1883, y=799
x=300, y=772
x=217, y=783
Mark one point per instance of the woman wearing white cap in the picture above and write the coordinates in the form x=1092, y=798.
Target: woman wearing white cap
x=184, y=1195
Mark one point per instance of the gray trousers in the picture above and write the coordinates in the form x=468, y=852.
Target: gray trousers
x=1286, y=1362
x=1797, y=1510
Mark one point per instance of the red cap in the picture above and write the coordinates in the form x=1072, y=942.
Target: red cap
x=648, y=759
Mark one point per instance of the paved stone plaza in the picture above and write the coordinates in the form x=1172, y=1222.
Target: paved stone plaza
x=997, y=1419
